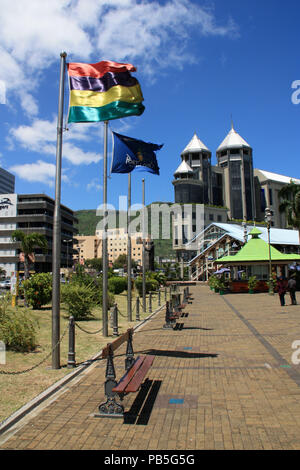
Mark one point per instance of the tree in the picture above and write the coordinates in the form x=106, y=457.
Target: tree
x=28, y=243
x=120, y=261
x=94, y=263
x=290, y=204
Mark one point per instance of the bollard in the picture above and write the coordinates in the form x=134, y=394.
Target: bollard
x=168, y=323
x=115, y=320
x=129, y=360
x=111, y=317
x=71, y=354
x=137, y=315
x=150, y=302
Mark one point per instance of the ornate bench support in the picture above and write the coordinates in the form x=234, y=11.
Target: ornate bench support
x=110, y=408
x=169, y=323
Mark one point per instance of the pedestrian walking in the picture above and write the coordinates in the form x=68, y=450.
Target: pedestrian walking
x=292, y=289
x=281, y=289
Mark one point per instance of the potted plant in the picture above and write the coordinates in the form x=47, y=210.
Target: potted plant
x=252, y=283
x=221, y=285
x=212, y=282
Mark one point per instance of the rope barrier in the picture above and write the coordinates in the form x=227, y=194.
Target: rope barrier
x=88, y=332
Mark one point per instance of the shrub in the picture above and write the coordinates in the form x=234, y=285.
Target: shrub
x=38, y=289
x=151, y=285
x=116, y=285
x=160, y=278
x=17, y=328
x=213, y=281
x=252, y=282
x=79, y=298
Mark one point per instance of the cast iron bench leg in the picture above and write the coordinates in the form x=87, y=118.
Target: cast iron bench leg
x=110, y=408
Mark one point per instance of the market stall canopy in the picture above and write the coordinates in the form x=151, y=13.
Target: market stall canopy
x=256, y=251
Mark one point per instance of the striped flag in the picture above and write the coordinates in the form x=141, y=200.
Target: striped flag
x=103, y=91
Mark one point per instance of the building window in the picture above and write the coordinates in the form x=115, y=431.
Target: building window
x=211, y=217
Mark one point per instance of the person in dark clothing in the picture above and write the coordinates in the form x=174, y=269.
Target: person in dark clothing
x=281, y=289
x=292, y=290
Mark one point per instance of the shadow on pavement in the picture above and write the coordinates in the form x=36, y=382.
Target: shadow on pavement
x=142, y=406
x=179, y=354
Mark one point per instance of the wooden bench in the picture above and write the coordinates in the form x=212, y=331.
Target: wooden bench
x=136, y=370
x=172, y=314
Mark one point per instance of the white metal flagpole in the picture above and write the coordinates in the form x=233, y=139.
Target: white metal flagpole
x=104, y=240
x=144, y=248
x=129, y=303
x=57, y=224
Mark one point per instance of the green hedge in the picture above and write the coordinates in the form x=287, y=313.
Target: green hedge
x=117, y=284
x=151, y=285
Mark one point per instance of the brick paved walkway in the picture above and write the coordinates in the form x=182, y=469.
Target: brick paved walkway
x=225, y=381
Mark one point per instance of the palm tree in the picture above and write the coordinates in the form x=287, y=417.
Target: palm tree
x=29, y=242
x=290, y=204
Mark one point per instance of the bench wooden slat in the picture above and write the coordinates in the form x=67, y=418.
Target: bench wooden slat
x=115, y=344
x=138, y=378
x=121, y=386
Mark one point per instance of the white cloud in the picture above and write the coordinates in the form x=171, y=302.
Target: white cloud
x=40, y=171
x=157, y=35
x=152, y=34
x=94, y=185
x=41, y=137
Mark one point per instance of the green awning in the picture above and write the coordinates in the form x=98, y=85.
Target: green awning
x=256, y=251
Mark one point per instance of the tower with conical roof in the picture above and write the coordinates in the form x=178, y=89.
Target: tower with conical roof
x=234, y=156
x=192, y=182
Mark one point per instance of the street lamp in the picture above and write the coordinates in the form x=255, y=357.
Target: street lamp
x=268, y=219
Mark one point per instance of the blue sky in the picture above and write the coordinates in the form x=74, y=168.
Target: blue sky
x=198, y=63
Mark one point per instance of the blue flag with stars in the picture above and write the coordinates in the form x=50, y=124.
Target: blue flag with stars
x=131, y=154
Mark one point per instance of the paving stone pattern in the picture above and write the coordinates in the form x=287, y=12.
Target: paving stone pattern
x=224, y=381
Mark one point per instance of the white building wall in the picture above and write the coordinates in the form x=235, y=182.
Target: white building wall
x=8, y=208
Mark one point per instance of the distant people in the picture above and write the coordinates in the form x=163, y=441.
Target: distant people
x=292, y=289
x=281, y=289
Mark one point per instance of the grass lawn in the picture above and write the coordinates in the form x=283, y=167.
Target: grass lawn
x=17, y=389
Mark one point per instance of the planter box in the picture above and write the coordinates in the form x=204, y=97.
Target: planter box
x=242, y=286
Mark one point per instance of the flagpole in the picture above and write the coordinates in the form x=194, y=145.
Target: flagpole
x=129, y=303
x=144, y=247
x=104, y=240
x=56, y=252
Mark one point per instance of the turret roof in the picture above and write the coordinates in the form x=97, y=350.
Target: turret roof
x=184, y=167
x=195, y=145
x=233, y=140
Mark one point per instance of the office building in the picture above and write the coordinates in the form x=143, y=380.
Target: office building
x=33, y=213
x=230, y=191
x=7, y=182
